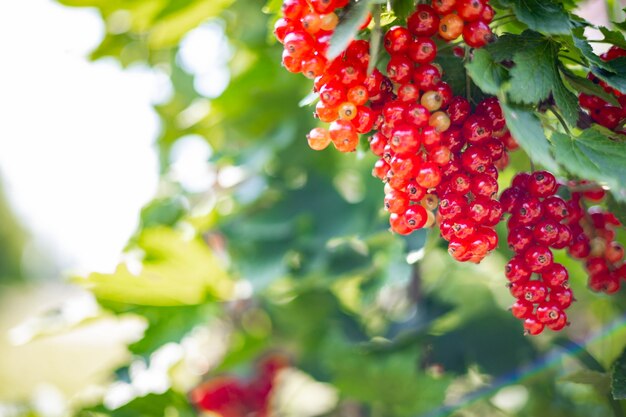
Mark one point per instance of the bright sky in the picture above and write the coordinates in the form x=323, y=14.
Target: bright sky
x=76, y=138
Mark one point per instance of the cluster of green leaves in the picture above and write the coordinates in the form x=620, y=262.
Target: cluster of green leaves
x=537, y=67
x=331, y=286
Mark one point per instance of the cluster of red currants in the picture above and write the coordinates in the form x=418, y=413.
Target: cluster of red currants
x=469, y=209
x=593, y=240
x=537, y=224
x=229, y=396
x=601, y=112
x=344, y=87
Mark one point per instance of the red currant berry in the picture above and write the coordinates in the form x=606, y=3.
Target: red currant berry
x=538, y=257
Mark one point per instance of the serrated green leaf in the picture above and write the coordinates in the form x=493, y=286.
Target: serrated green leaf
x=580, y=43
x=595, y=157
x=485, y=72
x=527, y=130
x=618, y=377
x=348, y=28
x=508, y=44
x=566, y=101
x=534, y=73
x=613, y=37
x=545, y=16
x=616, y=77
x=584, y=85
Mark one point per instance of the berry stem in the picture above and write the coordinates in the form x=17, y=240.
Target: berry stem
x=468, y=81
x=503, y=17
x=561, y=120
x=575, y=61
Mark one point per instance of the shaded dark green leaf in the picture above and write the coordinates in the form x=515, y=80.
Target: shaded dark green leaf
x=584, y=85
x=618, y=378
x=547, y=16
x=527, y=130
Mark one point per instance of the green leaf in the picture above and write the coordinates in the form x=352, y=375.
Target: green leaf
x=485, y=72
x=180, y=321
x=171, y=26
x=566, y=101
x=616, y=77
x=599, y=380
x=403, y=8
x=163, y=212
x=527, y=130
x=580, y=43
x=595, y=157
x=508, y=44
x=584, y=85
x=547, y=16
x=375, y=41
x=534, y=73
x=394, y=381
x=613, y=37
x=618, y=377
x=175, y=271
x=348, y=28
x=617, y=208
x=151, y=405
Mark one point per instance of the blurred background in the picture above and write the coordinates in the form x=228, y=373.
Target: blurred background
x=163, y=222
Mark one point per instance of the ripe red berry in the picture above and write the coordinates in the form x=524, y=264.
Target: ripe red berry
x=538, y=257
x=476, y=129
x=522, y=309
x=533, y=326
x=424, y=21
x=555, y=275
x=541, y=184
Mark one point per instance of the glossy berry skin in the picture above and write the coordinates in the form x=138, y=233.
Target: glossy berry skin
x=541, y=184
x=555, y=275
x=415, y=217
x=520, y=238
x=555, y=208
x=522, y=309
x=538, y=257
x=562, y=297
x=422, y=50
x=532, y=326
x=477, y=34
x=517, y=270
x=424, y=21
x=535, y=291
x=548, y=312
x=450, y=27
x=397, y=40
x=458, y=110
x=476, y=129
x=469, y=10
x=398, y=224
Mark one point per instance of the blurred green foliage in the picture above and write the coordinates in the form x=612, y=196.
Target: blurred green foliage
x=295, y=255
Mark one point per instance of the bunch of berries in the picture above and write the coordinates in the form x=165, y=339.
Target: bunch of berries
x=601, y=112
x=593, y=240
x=469, y=209
x=305, y=30
x=535, y=226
